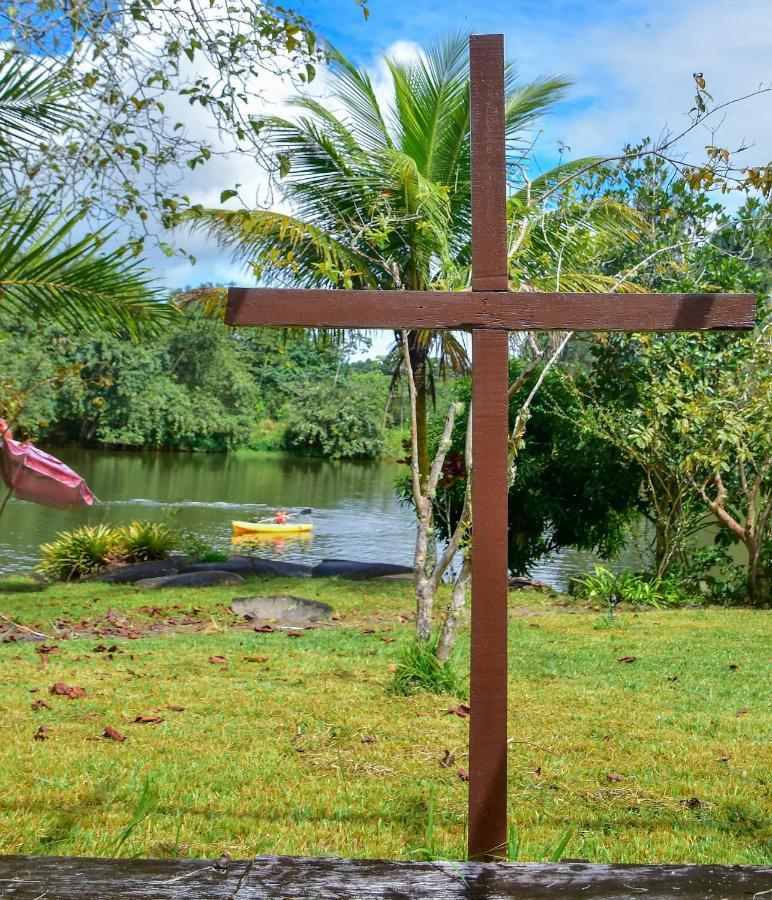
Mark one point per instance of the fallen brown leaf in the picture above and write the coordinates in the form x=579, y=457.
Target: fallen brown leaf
x=462, y=711
x=113, y=734
x=40, y=704
x=628, y=659
x=266, y=629
x=66, y=690
x=42, y=733
x=256, y=659
x=742, y=712
x=217, y=660
x=147, y=720
x=368, y=739
x=367, y=631
x=387, y=640
x=176, y=708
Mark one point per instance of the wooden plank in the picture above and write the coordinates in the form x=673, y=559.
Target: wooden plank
x=488, y=677
x=335, y=879
x=72, y=878
x=488, y=163
x=288, y=878
x=511, y=310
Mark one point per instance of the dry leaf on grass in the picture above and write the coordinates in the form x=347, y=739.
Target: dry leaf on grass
x=462, y=711
x=113, y=734
x=65, y=690
x=628, y=659
x=217, y=660
x=147, y=720
x=42, y=733
x=40, y=704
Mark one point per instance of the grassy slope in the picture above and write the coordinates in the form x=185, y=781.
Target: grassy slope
x=268, y=757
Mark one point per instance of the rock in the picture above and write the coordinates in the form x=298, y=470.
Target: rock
x=348, y=568
x=247, y=566
x=190, y=579
x=140, y=571
x=283, y=608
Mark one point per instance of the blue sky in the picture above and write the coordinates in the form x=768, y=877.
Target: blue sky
x=631, y=64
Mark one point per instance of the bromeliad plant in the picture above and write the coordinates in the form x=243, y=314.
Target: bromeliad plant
x=91, y=548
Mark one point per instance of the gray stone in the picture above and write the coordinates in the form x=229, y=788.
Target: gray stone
x=253, y=565
x=190, y=579
x=282, y=608
x=357, y=571
x=140, y=571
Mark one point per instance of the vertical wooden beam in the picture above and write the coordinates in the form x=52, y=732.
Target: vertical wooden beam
x=488, y=721
x=489, y=217
x=490, y=406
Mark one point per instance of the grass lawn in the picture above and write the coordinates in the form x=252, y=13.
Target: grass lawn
x=295, y=745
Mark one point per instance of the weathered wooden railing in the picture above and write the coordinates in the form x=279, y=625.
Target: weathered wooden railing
x=282, y=878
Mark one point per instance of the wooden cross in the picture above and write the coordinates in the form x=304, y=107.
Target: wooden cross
x=490, y=311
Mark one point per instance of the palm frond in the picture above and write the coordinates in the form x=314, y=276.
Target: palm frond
x=33, y=102
x=47, y=274
x=284, y=248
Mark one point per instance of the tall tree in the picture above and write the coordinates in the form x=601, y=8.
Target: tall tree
x=380, y=195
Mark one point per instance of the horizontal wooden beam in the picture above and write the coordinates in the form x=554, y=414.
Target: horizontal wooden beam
x=509, y=311
x=290, y=878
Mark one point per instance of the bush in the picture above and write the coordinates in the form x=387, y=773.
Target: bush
x=144, y=541
x=627, y=587
x=418, y=669
x=75, y=554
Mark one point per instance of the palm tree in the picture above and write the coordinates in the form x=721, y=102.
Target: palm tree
x=381, y=194
x=46, y=273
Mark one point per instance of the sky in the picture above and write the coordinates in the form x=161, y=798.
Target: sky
x=630, y=63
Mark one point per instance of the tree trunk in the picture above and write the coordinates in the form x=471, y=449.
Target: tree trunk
x=419, y=361
x=457, y=603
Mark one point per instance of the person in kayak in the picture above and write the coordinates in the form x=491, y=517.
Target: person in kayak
x=281, y=517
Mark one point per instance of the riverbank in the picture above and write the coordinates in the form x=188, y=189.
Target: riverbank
x=275, y=744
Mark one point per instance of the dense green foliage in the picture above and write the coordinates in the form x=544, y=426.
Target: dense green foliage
x=693, y=411
x=342, y=419
x=572, y=488
x=197, y=386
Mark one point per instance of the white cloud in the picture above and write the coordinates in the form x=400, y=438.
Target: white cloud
x=634, y=79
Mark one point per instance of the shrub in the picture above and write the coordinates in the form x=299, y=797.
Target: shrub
x=418, y=669
x=144, y=541
x=626, y=587
x=75, y=554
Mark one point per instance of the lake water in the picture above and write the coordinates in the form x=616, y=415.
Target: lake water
x=355, y=512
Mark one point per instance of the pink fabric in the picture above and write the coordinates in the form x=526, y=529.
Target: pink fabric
x=39, y=477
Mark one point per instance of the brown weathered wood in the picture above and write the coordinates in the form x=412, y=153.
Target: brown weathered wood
x=514, y=311
x=72, y=878
x=489, y=188
x=286, y=878
x=488, y=673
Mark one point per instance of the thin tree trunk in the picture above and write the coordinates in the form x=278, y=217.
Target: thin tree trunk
x=455, y=608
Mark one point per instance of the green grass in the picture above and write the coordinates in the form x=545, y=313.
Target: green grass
x=269, y=757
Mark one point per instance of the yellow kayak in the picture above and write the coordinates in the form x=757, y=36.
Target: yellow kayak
x=270, y=527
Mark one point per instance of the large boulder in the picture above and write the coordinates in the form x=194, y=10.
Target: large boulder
x=140, y=571
x=190, y=579
x=247, y=566
x=349, y=568
x=283, y=609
